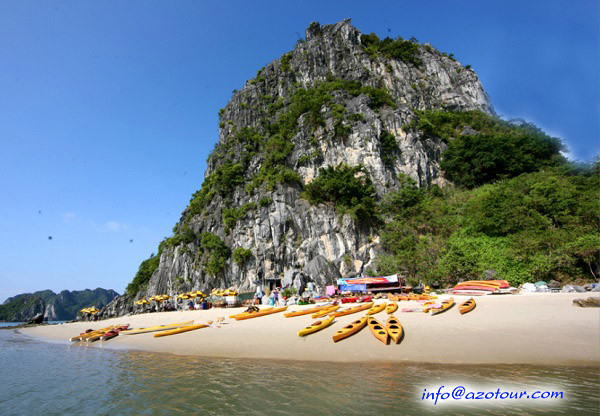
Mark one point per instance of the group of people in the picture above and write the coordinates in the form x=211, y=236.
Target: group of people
x=274, y=299
x=191, y=305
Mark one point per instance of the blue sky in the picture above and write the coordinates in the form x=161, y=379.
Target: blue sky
x=108, y=110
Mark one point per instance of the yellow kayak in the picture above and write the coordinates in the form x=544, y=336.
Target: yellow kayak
x=248, y=313
x=391, y=308
x=376, y=308
x=350, y=329
x=180, y=330
x=394, y=329
x=326, y=310
x=316, y=326
x=85, y=336
x=427, y=306
x=156, y=328
x=378, y=331
x=303, y=312
x=260, y=313
x=353, y=309
x=446, y=304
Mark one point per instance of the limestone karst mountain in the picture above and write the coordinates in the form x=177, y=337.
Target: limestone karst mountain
x=336, y=106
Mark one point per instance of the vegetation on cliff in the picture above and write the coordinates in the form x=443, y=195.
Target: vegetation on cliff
x=12, y=310
x=59, y=306
x=536, y=226
x=482, y=148
x=348, y=188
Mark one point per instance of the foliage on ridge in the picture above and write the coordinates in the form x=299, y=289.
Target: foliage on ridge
x=482, y=148
x=405, y=50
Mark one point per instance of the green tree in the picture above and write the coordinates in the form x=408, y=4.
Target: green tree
x=349, y=188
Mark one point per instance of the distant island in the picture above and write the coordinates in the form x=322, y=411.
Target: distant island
x=61, y=306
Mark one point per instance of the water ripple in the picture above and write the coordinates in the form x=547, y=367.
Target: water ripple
x=55, y=379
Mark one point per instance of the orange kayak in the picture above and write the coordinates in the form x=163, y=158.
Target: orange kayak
x=350, y=329
x=468, y=306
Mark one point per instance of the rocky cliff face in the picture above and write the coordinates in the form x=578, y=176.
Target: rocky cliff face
x=338, y=98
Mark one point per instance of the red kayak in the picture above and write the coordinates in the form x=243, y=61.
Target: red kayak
x=110, y=334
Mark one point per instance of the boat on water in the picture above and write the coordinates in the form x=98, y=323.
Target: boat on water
x=186, y=328
x=377, y=329
x=394, y=329
x=350, y=329
x=353, y=309
x=467, y=306
x=316, y=326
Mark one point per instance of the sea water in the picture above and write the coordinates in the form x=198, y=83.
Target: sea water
x=61, y=379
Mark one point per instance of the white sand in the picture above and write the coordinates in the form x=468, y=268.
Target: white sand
x=517, y=329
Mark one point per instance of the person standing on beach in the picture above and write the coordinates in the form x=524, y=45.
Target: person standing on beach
x=276, y=296
x=271, y=299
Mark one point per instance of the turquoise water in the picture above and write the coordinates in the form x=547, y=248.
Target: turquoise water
x=61, y=379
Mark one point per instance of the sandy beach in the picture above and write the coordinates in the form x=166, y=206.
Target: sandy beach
x=544, y=329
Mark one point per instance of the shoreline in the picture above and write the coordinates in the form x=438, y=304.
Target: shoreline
x=533, y=329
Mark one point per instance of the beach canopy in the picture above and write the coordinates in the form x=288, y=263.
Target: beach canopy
x=160, y=298
x=91, y=310
x=184, y=296
x=142, y=302
x=224, y=292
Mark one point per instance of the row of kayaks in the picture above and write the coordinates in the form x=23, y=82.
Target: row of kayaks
x=115, y=330
x=392, y=329
x=99, y=334
x=437, y=308
x=411, y=296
